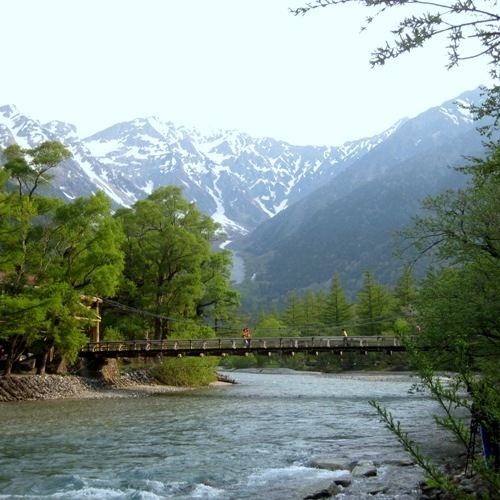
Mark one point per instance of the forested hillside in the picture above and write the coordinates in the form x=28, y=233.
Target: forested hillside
x=347, y=225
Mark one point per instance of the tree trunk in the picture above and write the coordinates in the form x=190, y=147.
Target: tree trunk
x=158, y=329
x=9, y=362
x=41, y=363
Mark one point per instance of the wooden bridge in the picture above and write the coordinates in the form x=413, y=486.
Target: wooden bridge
x=240, y=347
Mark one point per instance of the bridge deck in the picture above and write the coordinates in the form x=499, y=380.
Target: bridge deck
x=238, y=347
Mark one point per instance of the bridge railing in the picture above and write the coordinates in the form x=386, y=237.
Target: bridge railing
x=254, y=343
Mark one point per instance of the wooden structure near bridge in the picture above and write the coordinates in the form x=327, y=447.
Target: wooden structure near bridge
x=269, y=346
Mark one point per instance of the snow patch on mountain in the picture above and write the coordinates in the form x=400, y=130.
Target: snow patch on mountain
x=239, y=180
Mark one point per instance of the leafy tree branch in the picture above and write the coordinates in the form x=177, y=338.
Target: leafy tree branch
x=459, y=21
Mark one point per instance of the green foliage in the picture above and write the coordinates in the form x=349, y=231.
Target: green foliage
x=489, y=109
x=86, y=242
x=459, y=302
x=22, y=318
x=271, y=327
x=406, y=289
x=186, y=372
x=375, y=308
x=51, y=255
x=401, y=327
x=303, y=315
x=292, y=314
x=191, y=330
x=239, y=362
x=111, y=334
x=338, y=310
x=435, y=477
x=65, y=320
x=170, y=263
x=460, y=299
x=458, y=21
x=29, y=167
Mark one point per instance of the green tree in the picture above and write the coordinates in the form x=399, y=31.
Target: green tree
x=271, y=327
x=292, y=314
x=21, y=317
x=61, y=332
x=461, y=297
x=170, y=262
x=406, y=290
x=303, y=313
x=29, y=167
x=218, y=299
x=52, y=255
x=338, y=310
x=23, y=235
x=375, y=307
x=82, y=259
x=313, y=305
x=459, y=301
x=24, y=229
x=86, y=246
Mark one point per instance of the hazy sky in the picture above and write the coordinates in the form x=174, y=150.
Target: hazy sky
x=248, y=65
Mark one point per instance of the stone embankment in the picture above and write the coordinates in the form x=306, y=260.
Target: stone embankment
x=41, y=387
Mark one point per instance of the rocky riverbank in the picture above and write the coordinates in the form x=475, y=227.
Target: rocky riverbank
x=371, y=478
x=42, y=387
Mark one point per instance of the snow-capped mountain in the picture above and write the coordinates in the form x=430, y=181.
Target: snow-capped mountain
x=294, y=214
x=80, y=176
x=347, y=225
x=239, y=180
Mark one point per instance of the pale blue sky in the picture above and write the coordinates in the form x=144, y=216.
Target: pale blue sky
x=248, y=65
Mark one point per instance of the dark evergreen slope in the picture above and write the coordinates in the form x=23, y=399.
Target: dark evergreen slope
x=347, y=225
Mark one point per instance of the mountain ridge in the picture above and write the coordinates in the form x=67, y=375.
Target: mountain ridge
x=346, y=226
x=239, y=180
x=281, y=205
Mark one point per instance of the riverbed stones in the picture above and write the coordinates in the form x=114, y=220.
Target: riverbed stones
x=327, y=464
x=328, y=491
x=365, y=468
x=344, y=481
x=400, y=462
x=39, y=387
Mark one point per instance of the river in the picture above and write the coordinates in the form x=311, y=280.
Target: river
x=258, y=439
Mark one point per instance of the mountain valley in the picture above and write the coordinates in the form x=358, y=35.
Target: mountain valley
x=295, y=215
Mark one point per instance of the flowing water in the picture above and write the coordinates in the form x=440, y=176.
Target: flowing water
x=254, y=440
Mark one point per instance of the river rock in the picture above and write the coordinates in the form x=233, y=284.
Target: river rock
x=364, y=468
x=328, y=491
x=400, y=462
x=344, y=481
x=327, y=464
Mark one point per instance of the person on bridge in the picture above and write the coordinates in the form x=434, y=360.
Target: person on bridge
x=344, y=334
x=246, y=334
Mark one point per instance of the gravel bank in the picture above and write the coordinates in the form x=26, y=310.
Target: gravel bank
x=43, y=387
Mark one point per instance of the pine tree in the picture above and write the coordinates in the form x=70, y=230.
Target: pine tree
x=375, y=307
x=338, y=311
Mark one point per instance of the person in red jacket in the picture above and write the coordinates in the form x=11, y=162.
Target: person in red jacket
x=246, y=334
